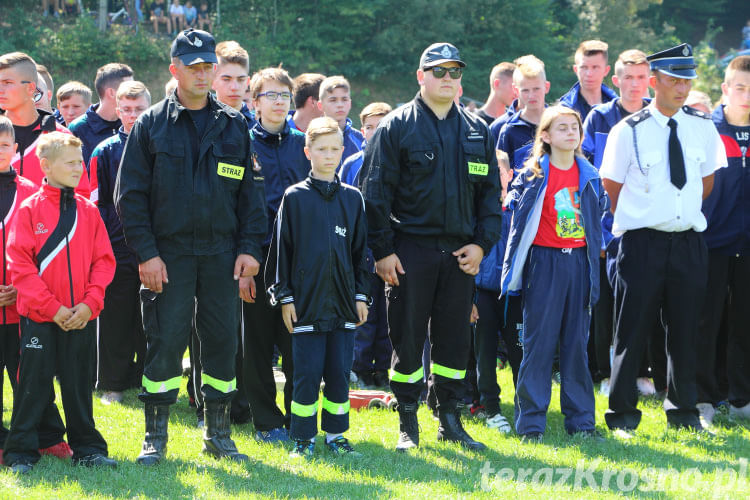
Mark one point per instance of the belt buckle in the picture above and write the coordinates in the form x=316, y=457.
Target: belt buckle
x=566, y=250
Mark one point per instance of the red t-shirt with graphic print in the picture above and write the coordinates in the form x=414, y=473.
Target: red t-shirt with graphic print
x=561, y=224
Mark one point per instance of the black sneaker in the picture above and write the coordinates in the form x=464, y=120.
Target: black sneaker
x=95, y=460
x=532, y=437
x=340, y=446
x=303, y=448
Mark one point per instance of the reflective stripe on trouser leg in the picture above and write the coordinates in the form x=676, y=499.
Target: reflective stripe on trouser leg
x=225, y=386
x=447, y=372
x=160, y=386
x=303, y=411
x=407, y=378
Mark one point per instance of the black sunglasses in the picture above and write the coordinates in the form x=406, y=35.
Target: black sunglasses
x=439, y=71
x=37, y=93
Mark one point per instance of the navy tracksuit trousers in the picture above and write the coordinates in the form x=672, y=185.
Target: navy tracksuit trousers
x=326, y=356
x=555, y=311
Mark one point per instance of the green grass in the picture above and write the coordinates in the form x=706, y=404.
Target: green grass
x=434, y=471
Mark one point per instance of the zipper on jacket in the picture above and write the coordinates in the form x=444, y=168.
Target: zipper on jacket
x=743, y=150
x=63, y=205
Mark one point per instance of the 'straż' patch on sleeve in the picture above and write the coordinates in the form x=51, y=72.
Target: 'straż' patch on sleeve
x=231, y=171
x=478, y=168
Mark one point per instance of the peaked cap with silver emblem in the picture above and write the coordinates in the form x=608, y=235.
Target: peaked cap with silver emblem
x=677, y=61
x=194, y=46
x=438, y=53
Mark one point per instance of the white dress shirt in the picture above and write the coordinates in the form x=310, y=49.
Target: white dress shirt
x=648, y=198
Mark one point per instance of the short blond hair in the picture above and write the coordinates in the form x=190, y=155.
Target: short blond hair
x=319, y=127
x=528, y=66
x=69, y=89
x=133, y=89
x=231, y=52
x=592, y=48
x=632, y=57
x=739, y=63
x=278, y=75
x=374, y=109
x=50, y=145
x=332, y=83
x=21, y=62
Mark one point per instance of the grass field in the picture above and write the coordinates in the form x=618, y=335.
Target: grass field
x=656, y=463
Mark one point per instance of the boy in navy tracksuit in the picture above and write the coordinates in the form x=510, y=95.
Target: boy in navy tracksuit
x=553, y=260
x=317, y=271
x=728, y=215
x=335, y=101
x=590, y=67
x=497, y=313
x=278, y=152
x=60, y=262
x=121, y=337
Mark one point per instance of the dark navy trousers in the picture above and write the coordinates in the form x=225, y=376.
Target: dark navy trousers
x=326, y=356
x=555, y=312
x=372, y=347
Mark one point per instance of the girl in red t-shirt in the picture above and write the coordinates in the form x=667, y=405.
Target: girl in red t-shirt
x=557, y=201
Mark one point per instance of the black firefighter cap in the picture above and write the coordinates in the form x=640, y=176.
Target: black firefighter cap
x=677, y=61
x=438, y=53
x=194, y=46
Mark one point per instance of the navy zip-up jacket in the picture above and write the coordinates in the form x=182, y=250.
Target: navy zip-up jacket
x=596, y=129
x=248, y=115
x=92, y=129
x=317, y=255
x=501, y=120
x=516, y=138
x=105, y=162
x=281, y=158
x=526, y=198
x=574, y=100
x=727, y=208
x=354, y=141
x=491, y=268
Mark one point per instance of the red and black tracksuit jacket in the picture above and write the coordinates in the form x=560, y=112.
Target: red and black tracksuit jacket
x=14, y=189
x=26, y=162
x=59, y=254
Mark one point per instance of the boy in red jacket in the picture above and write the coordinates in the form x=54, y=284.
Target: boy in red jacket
x=61, y=262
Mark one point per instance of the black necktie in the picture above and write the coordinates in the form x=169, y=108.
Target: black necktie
x=676, y=160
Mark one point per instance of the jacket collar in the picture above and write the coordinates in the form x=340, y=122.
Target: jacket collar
x=96, y=122
x=57, y=194
x=574, y=94
x=122, y=134
x=326, y=189
x=175, y=108
x=7, y=179
x=270, y=137
x=423, y=106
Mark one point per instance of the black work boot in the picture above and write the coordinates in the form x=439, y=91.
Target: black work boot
x=451, y=429
x=155, y=442
x=408, y=427
x=216, y=437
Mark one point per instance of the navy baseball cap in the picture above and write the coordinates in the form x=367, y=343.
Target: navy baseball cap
x=194, y=46
x=438, y=53
x=677, y=61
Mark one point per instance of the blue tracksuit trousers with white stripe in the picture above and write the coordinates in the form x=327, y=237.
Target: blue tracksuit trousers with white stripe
x=555, y=311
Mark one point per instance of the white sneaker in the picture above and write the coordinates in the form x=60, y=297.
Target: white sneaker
x=497, y=421
x=645, y=386
x=622, y=434
x=604, y=387
x=707, y=413
x=741, y=412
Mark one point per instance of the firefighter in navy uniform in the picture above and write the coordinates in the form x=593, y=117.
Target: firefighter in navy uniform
x=433, y=209
x=193, y=209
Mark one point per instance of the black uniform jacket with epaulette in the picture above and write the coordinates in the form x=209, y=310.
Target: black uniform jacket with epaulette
x=413, y=191
x=169, y=201
x=317, y=258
